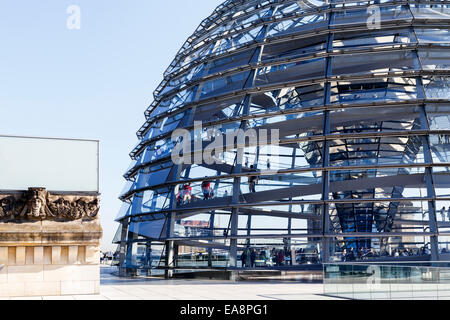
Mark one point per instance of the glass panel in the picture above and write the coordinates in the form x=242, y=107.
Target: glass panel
x=438, y=116
x=440, y=148
x=290, y=72
x=286, y=157
x=164, y=125
x=367, y=91
x=147, y=177
x=299, y=124
x=288, y=99
x=435, y=59
x=373, y=63
x=230, y=62
x=293, y=49
x=437, y=87
x=387, y=281
x=224, y=85
x=295, y=186
x=373, y=217
x=124, y=211
x=297, y=25
x=356, y=40
x=219, y=110
x=236, y=41
x=148, y=229
x=434, y=36
x=376, y=151
x=432, y=12
x=175, y=102
x=372, y=119
x=376, y=183
x=179, y=82
x=149, y=201
x=361, y=16
x=441, y=182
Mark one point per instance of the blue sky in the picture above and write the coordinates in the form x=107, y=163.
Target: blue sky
x=92, y=83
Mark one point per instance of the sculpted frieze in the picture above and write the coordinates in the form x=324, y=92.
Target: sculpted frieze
x=38, y=204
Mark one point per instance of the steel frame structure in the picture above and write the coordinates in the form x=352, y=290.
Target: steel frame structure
x=364, y=121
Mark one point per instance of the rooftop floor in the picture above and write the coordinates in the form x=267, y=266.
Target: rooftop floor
x=114, y=288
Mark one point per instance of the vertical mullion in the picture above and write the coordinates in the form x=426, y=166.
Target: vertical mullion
x=326, y=147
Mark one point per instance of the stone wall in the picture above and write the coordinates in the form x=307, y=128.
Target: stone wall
x=49, y=271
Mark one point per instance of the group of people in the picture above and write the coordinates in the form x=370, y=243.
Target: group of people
x=278, y=257
x=306, y=256
x=352, y=254
x=250, y=257
x=281, y=257
x=184, y=196
x=364, y=253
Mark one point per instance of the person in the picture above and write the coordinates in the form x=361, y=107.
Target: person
x=289, y=256
x=148, y=257
x=248, y=258
x=268, y=164
x=443, y=213
x=273, y=255
x=315, y=257
x=187, y=196
x=244, y=258
x=280, y=258
x=179, y=198
x=206, y=188
x=252, y=257
x=350, y=255
x=360, y=253
x=448, y=214
x=252, y=180
x=262, y=256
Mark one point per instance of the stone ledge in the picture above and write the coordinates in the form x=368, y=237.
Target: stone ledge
x=49, y=238
x=50, y=255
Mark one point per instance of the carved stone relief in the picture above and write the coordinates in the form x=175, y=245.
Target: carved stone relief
x=38, y=204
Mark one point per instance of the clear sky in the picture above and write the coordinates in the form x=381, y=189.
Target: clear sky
x=92, y=83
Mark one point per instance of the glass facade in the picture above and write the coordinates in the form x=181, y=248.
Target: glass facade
x=358, y=170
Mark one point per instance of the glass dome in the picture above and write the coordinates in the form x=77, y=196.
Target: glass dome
x=354, y=96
